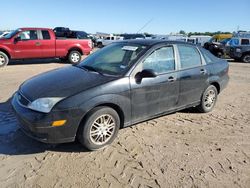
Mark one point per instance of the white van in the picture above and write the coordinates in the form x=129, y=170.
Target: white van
x=198, y=39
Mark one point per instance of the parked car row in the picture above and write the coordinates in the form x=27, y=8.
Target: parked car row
x=113, y=38
x=236, y=46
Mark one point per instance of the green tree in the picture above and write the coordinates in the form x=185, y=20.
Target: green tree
x=182, y=32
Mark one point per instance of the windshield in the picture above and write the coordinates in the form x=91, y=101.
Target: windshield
x=211, y=40
x=225, y=41
x=11, y=34
x=115, y=59
x=234, y=42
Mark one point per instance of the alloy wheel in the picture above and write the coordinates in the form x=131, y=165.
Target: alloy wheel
x=2, y=60
x=75, y=57
x=102, y=129
x=210, y=98
x=246, y=59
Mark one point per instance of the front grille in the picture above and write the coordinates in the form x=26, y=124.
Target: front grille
x=23, y=100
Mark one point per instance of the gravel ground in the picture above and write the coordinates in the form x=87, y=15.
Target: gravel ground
x=184, y=149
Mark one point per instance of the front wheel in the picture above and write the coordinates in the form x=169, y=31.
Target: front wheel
x=208, y=99
x=246, y=58
x=220, y=54
x=74, y=57
x=4, y=59
x=99, y=128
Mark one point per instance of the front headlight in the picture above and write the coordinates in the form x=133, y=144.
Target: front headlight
x=238, y=50
x=44, y=104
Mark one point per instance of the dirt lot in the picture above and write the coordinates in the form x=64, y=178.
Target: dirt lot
x=184, y=149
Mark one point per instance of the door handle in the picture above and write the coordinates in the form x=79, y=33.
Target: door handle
x=203, y=71
x=38, y=44
x=171, y=79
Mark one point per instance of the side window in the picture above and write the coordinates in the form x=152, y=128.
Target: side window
x=161, y=60
x=28, y=35
x=207, y=56
x=45, y=34
x=244, y=41
x=108, y=38
x=189, y=57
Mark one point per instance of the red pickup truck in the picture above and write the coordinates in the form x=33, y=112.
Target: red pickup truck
x=28, y=43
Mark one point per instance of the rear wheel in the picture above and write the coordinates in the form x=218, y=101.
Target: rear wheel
x=74, y=57
x=246, y=58
x=99, y=128
x=4, y=59
x=208, y=99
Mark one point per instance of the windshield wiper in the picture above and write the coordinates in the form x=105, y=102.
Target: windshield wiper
x=90, y=68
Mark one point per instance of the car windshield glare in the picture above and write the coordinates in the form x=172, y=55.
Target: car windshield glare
x=11, y=34
x=114, y=59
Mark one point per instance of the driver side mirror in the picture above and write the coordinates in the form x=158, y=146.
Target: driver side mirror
x=146, y=73
x=16, y=39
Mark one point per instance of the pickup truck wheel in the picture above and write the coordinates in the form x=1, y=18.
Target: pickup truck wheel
x=219, y=54
x=246, y=58
x=74, y=57
x=4, y=59
x=99, y=128
x=208, y=99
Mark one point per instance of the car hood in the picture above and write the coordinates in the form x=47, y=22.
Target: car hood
x=4, y=40
x=62, y=82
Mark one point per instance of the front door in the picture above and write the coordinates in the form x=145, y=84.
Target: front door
x=28, y=45
x=152, y=96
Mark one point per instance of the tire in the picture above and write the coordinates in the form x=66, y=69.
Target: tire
x=246, y=58
x=94, y=123
x=4, y=59
x=208, y=100
x=74, y=57
x=99, y=45
x=219, y=54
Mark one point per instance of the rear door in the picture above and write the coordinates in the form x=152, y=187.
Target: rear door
x=29, y=46
x=47, y=44
x=193, y=75
x=156, y=95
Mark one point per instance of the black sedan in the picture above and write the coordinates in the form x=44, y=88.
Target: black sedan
x=120, y=85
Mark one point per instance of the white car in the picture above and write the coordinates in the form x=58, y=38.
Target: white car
x=108, y=40
x=4, y=34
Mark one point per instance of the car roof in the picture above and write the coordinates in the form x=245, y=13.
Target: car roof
x=34, y=28
x=152, y=42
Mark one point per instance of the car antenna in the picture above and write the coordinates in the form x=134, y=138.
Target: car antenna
x=145, y=25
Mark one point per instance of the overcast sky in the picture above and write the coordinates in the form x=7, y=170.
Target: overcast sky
x=114, y=16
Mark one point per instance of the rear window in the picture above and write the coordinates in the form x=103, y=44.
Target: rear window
x=45, y=34
x=208, y=56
